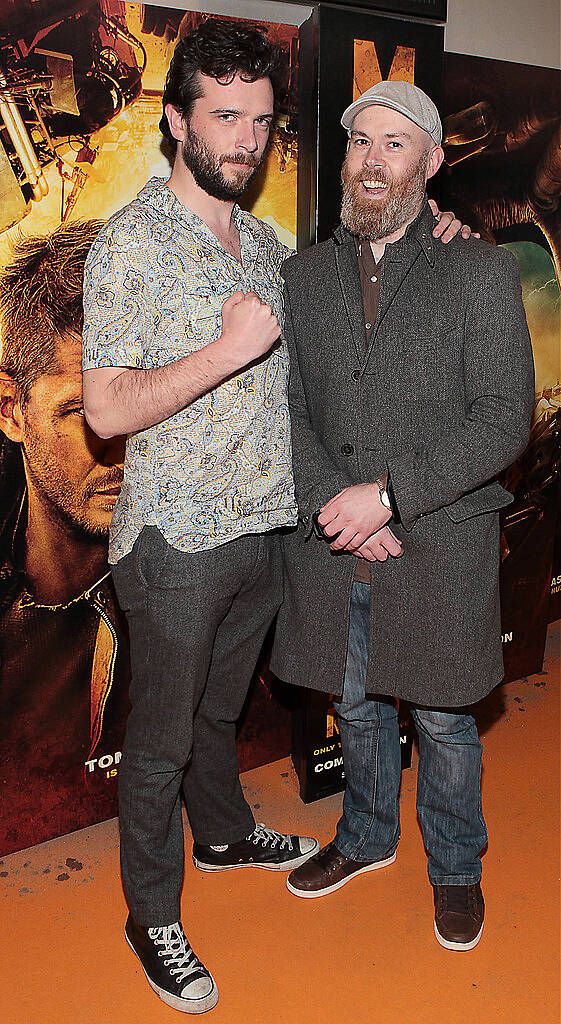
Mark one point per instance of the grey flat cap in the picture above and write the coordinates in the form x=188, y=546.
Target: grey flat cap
x=407, y=99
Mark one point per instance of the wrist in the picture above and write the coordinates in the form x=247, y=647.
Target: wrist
x=383, y=494
x=387, y=496
x=221, y=353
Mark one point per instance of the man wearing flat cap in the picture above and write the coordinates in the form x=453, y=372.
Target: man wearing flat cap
x=411, y=389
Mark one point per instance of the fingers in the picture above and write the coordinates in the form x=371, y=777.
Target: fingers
x=372, y=551
x=329, y=504
x=393, y=546
x=233, y=300
x=346, y=540
x=443, y=220
x=447, y=227
x=380, y=546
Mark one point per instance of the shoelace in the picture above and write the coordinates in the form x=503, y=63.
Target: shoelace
x=262, y=834
x=458, y=899
x=177, y=949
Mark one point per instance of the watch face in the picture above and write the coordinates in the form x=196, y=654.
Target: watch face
x=385, y=498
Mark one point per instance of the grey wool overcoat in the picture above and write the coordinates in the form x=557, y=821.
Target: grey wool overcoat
x=442, y=398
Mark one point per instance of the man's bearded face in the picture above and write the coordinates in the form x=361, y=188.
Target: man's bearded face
x=376, y=203
x=76, y=475
x=206, y=167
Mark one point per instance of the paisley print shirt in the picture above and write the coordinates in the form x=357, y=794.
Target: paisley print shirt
x=155, y=281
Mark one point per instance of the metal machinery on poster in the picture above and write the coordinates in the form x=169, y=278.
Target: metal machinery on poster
x=66, y=71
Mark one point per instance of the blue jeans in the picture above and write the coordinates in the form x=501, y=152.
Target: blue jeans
x=448, y=781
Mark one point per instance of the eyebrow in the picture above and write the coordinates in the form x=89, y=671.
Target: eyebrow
x=68, y=403
x=387, y=135
x=234, y=110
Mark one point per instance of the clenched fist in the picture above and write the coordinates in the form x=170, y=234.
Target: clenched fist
x=249, y=328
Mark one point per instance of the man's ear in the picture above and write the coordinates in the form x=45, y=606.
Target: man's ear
x=435, y=158
x=176, y=122
x=11, y=416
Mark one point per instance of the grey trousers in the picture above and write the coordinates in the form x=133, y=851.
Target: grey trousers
x=197, y=621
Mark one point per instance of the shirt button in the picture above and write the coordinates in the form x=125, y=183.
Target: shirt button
x=356, y=373
x=368, y=326
x=374, y=279
x=347, y=449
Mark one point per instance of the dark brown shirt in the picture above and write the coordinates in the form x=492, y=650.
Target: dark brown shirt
x=370, y=287
x=369, y=284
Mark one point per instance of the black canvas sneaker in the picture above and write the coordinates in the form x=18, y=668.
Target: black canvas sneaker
x=171, y=967
x=264, y=848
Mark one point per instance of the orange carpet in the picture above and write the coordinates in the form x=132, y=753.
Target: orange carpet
x=364, y=954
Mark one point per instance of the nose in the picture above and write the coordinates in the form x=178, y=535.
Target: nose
x=246, y=138
x=113, y=451
x=373, y=157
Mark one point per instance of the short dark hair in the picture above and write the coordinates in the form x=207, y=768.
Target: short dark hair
x=41, y=298
x=219, y=49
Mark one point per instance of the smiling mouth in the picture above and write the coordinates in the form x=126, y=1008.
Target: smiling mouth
x=373, y=185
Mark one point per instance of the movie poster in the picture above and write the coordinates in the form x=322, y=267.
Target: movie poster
x=357, y=49
x=502, y=175
x=80, y=102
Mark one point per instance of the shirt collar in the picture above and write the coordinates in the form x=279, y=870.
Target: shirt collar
x=157, y=194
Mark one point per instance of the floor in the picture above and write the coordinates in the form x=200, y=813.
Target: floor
x=365, y=953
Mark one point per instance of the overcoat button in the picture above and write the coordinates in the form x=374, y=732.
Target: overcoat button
x=356, y=375
x=347, y=449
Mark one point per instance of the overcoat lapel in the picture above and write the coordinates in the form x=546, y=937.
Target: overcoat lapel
x=399, y=260
x=349, y=279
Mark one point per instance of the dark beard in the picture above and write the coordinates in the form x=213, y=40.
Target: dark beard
x=205, y=167
x=400, y=204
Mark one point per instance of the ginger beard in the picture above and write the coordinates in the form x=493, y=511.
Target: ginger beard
x=206, y=168
x=375, y=218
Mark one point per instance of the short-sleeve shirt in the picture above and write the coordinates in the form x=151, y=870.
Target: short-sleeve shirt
x=155, y=281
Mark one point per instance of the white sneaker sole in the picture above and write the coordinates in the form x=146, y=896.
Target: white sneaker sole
x=200, y=1005
x=308, y=895
x=458, y=946
x=287, y=865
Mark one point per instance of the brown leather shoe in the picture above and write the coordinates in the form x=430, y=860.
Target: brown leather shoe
x=327, y=871
x=458, y=917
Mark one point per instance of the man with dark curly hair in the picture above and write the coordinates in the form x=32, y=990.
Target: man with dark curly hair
x=183, y=353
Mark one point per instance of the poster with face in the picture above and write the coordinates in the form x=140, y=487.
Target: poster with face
x=502, y=174
x=79, y=112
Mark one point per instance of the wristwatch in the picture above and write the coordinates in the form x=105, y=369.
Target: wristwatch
x=384, y=496
x=387, y=497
